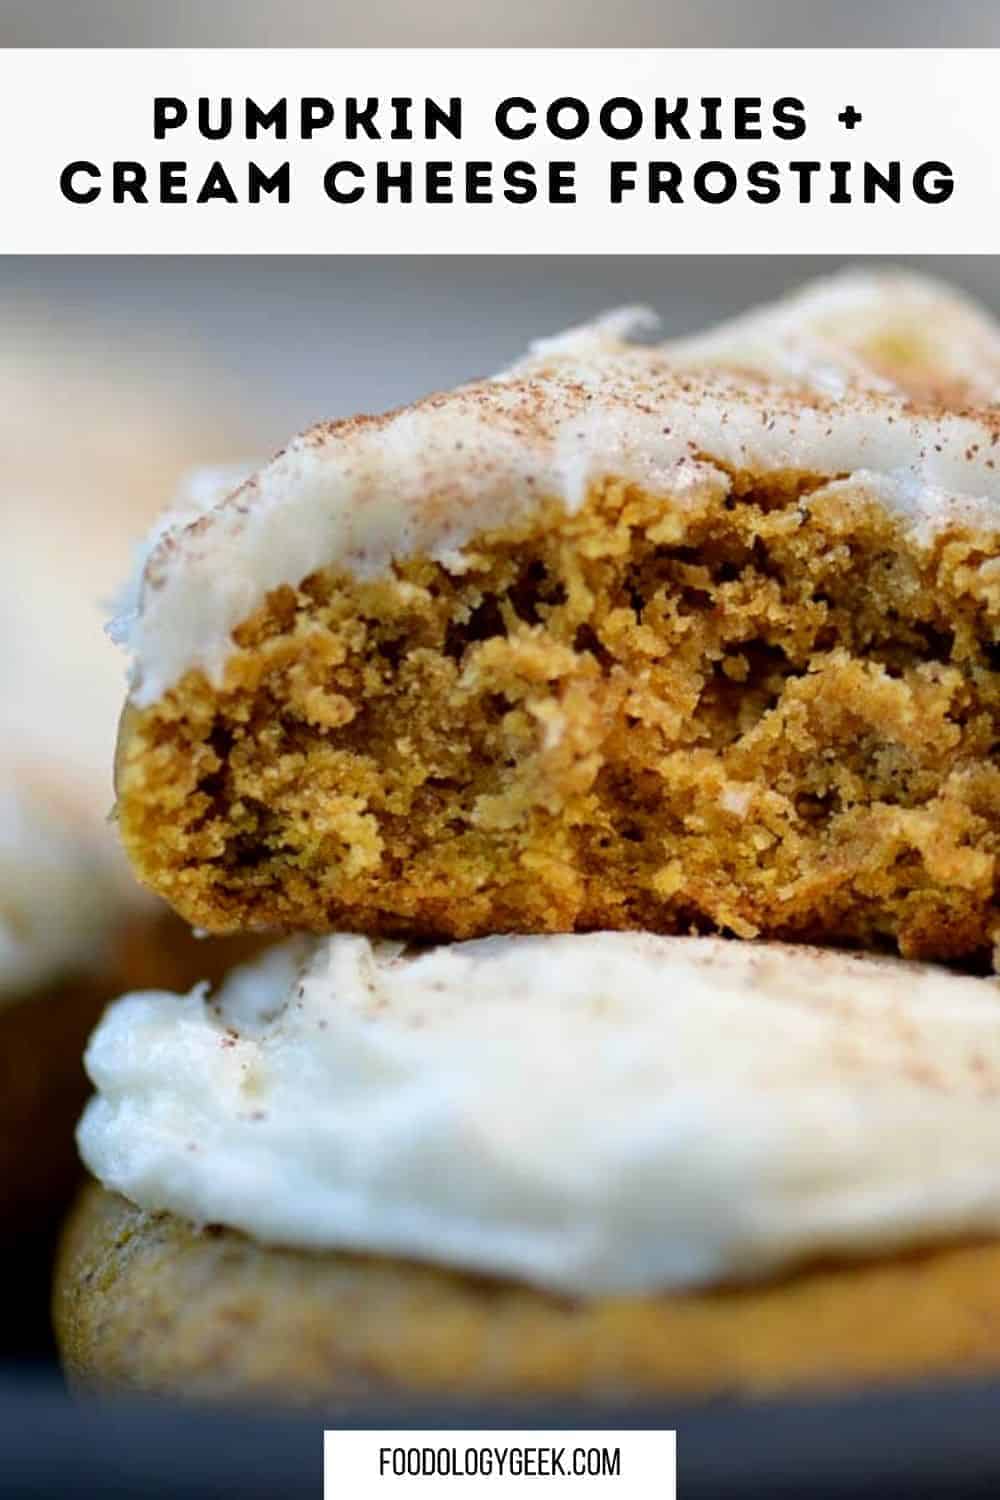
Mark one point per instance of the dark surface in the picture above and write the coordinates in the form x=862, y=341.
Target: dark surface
x=927, y=1442
x=25, y=1329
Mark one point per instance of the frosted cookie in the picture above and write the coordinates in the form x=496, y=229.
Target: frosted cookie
x=593, y=1164
x=693, y=636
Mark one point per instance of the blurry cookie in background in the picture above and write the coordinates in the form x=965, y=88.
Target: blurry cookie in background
x=96, y=435
x=72, y=935
x=60, y=920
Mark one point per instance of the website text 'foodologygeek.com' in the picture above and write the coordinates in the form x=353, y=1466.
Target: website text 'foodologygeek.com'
x=626, y=1464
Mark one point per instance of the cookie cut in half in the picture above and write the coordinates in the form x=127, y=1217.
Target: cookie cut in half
x=702, y=636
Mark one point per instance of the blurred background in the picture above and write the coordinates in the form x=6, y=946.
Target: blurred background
x=252, y=349
x=515, y=23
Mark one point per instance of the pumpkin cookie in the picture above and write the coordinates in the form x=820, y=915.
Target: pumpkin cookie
x=667, y=637
x=607, y=1163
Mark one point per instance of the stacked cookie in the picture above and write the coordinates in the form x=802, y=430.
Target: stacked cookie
x=581, y=715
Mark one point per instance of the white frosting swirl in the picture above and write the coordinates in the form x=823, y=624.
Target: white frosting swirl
x=591, y=1113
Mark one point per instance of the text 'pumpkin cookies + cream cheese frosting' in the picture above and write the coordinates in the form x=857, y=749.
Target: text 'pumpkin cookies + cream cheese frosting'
x=586, y=1113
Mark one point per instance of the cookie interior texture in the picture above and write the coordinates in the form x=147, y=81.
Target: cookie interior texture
x=147, y=1302
x=763, y=709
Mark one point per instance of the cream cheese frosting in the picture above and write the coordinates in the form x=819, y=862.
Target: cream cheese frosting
x=59, y=892
x=892, y=331
x=198, y=492
x=885, y=379
x=589, y=1113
